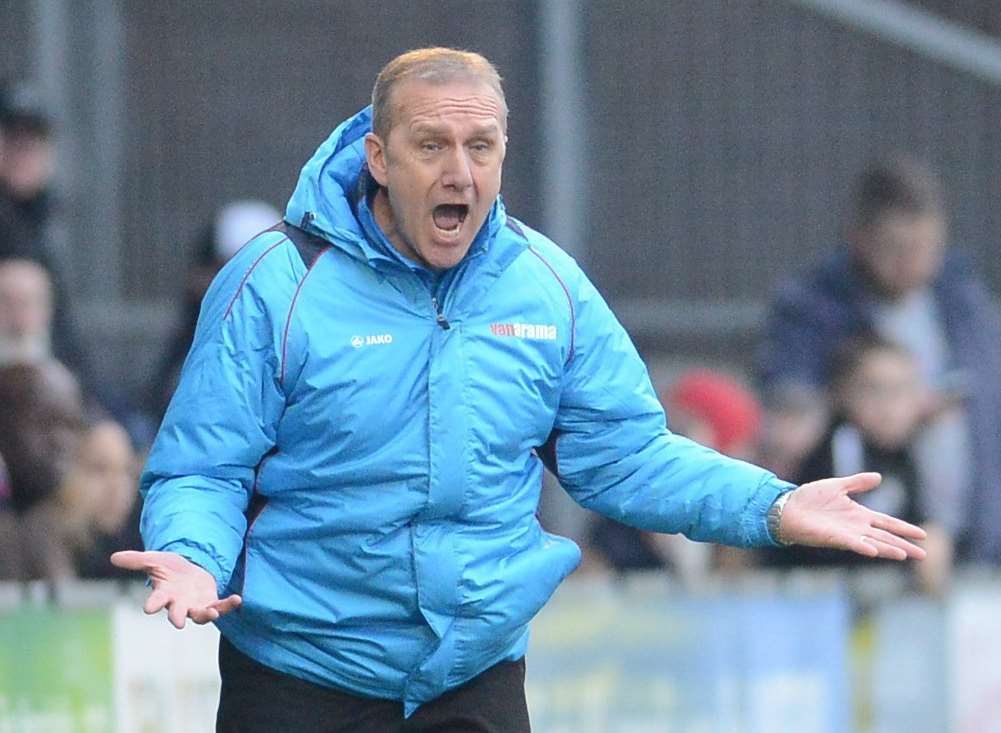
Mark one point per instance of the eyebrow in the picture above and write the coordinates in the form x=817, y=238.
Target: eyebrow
x=433, y=129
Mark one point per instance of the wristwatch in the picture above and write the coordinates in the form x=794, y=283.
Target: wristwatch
x=775, y=518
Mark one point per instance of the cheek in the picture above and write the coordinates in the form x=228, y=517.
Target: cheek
x=887, y=270
x=489, y=182
x=926, y=265
x=406, y=194
x=866, y=414
x=905, y=414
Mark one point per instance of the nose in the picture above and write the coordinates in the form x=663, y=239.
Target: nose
x=458, y=174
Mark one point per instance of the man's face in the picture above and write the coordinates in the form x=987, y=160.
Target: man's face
x=27, y=162
x=103, y=477
x=25, y=300
x=901, y=251
x=884, y=398
x=441, y=167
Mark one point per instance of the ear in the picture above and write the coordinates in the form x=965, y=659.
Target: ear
x=375, y=157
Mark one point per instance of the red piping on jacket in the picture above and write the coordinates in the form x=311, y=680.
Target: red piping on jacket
x=566, y=291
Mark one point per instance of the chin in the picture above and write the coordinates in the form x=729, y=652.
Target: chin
x=445, y=264
x=444, y=258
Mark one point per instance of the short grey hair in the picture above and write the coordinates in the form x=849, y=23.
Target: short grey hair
x=434, y=65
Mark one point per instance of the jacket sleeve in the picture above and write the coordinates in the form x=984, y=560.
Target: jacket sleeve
x=614, y=454
x=222, y=419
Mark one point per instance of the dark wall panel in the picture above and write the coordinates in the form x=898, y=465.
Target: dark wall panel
x=727, y=136
x=16, y=40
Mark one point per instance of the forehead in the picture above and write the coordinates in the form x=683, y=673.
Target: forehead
x=908, y=224
x=419, y=103
x=108, y=439
x=884, y=362
x=22, y=276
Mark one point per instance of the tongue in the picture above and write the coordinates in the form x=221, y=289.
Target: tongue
x=448, y=216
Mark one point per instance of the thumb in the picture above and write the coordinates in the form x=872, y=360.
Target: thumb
x=130, y=560
x=861, y=482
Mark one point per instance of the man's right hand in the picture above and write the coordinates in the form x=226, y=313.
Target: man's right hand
x=180, y=586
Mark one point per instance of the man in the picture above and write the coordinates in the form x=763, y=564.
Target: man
x=41, y=416
x=352, y=457
x=898, y=280
x=28, y=156
x=27, y=166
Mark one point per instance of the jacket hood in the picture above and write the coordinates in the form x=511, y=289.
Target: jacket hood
x=323, y=202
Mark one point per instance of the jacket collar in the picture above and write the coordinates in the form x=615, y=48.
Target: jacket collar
x=330, y=201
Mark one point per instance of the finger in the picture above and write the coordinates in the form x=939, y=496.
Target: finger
x=898, y=526
x=131, y=560
x=860, y=482
x=203, y=615
x=225, y=605
x=156, y=601
x=890, y=552
x=177, y=612
x=862, y=546
x=909, y=549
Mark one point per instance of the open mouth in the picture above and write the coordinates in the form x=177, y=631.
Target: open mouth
x=449, y=217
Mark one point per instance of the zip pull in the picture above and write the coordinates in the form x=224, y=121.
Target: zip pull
x=439, y=317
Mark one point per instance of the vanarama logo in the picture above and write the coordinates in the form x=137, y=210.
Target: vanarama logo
x=371, y=340
x=535, y=331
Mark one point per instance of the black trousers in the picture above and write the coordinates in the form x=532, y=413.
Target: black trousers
x=258, y=699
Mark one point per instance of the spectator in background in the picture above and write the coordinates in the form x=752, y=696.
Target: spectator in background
x=792, y=420
x=27, y=165
x=25, y=312
x=104, y=476
x=41, y=413
x=29, y=157
x=715, y=410
x=878, y=402
x=896, y=278
x=67, y=534
x=232, y=225
x=712, y=409
x=72, y=494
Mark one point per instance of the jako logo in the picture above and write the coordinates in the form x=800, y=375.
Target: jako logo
x=378, y=338
x=537, y=331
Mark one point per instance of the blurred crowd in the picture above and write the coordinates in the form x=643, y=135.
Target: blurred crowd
x=885, y=356
x=70, y=446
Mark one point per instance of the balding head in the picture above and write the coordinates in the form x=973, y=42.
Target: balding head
x=432, y=65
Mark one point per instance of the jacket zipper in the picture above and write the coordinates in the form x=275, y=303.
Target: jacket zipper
x=439, y=317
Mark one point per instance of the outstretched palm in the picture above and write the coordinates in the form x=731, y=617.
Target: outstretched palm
x=823, y=514
x=180, y=586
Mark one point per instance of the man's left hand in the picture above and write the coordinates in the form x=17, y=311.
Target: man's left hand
x=823, y=514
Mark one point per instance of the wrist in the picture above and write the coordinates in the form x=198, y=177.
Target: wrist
x=775, y=512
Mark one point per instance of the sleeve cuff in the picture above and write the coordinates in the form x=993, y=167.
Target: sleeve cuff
x=203, y=558
x=756, y=532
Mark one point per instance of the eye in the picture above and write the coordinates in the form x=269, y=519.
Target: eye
x=480, y=147
x=430, y=146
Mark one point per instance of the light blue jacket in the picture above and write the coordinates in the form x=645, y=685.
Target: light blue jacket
x=357, y=447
